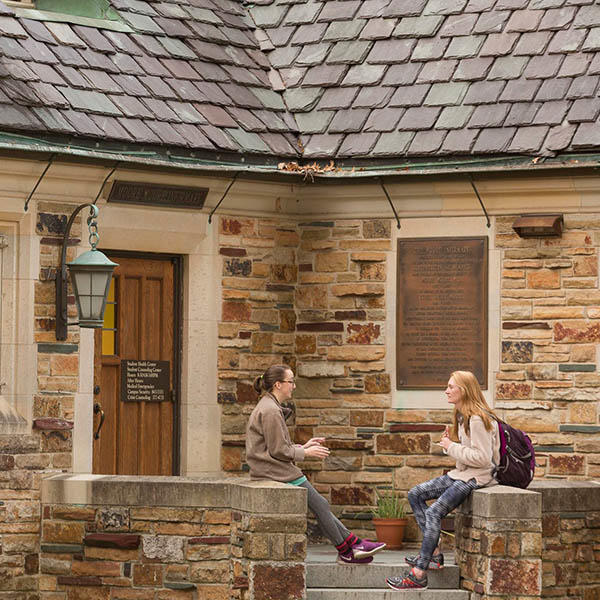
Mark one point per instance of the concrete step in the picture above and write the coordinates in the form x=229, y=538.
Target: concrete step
x=328, y=575
x=322, y=571
x=381, y=594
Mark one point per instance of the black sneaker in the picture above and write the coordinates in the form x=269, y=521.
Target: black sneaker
x=437, y=561
x=407, y=582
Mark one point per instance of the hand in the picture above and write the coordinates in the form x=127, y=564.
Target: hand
x=316, y=451
x=314, y=442
x=445, y=441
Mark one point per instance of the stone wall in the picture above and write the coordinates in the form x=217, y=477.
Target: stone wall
x=25, y=458
x=314, y=295
x=548, y=382
x=534, y=543
x=122, y=538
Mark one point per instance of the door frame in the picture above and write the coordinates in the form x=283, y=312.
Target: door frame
x=177, y=262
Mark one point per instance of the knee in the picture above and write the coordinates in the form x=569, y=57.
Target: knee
x=413, y=496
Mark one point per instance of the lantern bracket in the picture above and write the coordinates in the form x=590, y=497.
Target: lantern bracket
x=61, y=273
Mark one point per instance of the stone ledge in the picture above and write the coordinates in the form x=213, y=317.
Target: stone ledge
x=565, y=496
x=504, y=502
x=266, y=497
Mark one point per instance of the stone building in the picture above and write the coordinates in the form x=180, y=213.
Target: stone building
x=323, y=134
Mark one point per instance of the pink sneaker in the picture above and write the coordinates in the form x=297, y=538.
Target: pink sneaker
x=348, y=558
x=366, y=548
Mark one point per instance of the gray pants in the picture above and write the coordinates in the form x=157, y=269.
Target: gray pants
x=330, y=525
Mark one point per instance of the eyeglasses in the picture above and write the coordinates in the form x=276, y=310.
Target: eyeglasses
x=292, y=381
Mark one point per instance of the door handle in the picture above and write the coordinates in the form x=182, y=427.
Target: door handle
x=98, y=409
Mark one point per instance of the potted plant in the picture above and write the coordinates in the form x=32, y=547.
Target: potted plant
x=390, y=519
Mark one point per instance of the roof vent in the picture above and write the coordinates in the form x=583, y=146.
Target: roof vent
x=532, y=226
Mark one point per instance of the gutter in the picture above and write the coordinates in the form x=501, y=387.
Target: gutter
x=253, y=166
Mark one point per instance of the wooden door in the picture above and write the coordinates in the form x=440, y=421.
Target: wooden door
x=139, y=324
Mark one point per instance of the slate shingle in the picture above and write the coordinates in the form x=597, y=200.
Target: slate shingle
x=426, y=142
x=551, y=113
x=393, y=144
x=383, y=119
x=348, y=120
x=390, y=51
x=454, y=117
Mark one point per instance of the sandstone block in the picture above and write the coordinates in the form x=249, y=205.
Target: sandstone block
x=306, y=344
x=210, y=571
x=320, y=369
x=585, y=266
x=373, y=272
x=543, y=279
x=352, y=495
x=402, y=443
x=517, y=352
x=516, y=577
x=235, y=311
x=576, y=332
x=358, y=289
x=566, y=464
x=58, y=532
x=557, y=312
x=331, y=262
x=513, y=391
x=245, y=227
x=356, y=353
x=147, y=575
x=272, y=581
x=363, y=333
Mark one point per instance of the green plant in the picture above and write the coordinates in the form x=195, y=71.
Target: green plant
x=389, y=506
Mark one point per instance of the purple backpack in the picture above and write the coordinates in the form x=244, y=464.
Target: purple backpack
x=517, y=457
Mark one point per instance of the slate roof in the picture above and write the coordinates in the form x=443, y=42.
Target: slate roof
x=346, y=79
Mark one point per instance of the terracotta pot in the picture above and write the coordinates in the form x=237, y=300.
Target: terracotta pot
x=390, y=531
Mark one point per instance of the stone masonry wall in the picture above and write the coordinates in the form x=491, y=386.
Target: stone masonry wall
x=313, y=295
x=535, y=543
x=171, y=538
x=548, y=382
x=24, y=459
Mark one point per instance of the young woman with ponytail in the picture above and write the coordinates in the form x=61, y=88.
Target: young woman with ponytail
x=270, y=454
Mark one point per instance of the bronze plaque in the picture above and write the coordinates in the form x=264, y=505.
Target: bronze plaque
x=145, y=380
x=441, y=311
x=172, y=196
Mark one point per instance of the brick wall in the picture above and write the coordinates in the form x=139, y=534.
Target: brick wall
x=548, y=382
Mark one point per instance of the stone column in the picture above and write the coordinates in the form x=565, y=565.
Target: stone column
x=499, y=543
x=269, y=543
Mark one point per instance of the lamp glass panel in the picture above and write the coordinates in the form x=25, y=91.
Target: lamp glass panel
x=84, y=307
x=96, y=306
x=99, y=280
x=110, y=322
x=82, y=281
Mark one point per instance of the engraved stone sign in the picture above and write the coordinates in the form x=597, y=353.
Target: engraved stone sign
x=154, y=194
x=441, y=310
x=145, y=380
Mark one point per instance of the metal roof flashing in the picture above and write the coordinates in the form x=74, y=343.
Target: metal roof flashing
x=90, y=13
x=12, y=144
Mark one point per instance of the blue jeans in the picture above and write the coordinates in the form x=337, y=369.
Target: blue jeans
x=450, y=493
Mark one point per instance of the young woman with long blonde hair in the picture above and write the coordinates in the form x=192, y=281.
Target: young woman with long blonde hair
x=473, y=442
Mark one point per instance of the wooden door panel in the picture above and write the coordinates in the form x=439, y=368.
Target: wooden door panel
x=139, y=439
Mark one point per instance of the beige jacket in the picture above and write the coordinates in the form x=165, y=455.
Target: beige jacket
x=477, y=453
x=270, y=453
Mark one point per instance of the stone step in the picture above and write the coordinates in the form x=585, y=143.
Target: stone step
x=381, y=594
x=328, y=575
x=322, y=571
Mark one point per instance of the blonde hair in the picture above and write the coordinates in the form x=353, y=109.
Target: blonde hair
x=472, y=403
